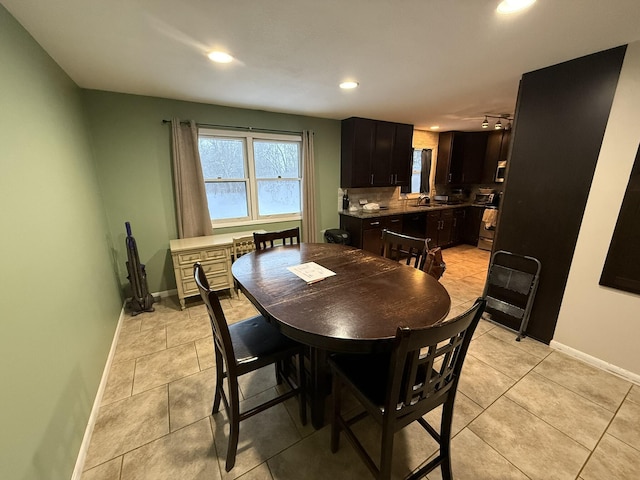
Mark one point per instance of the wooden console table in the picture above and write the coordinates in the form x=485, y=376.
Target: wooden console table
x=214, y=252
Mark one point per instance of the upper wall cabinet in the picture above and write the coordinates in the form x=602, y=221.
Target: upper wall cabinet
x=497, y=151
x=375, y=153
x=460, y=158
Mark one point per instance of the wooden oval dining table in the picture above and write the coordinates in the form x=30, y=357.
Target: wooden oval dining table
x=357, y=310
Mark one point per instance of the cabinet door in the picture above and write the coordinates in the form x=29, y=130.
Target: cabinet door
x=445, y=144
x=402, y=155
x=371, y=240
x=382, y=154
x=474, y=146
x=492, y=156
x=457, y=230
x=433, y=228
x=445, y=235
x=356, y=152
x=472, y=225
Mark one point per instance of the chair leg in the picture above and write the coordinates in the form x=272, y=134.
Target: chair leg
x=234, y=424
x=445, y=439
x=219, y=383
x=386, y=452
x=335, y=424
x=302, y=398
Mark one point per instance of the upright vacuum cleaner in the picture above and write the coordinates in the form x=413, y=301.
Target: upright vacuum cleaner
x=141, y=299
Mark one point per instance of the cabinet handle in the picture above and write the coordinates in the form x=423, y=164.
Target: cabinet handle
x=374, y=223
x=372, y=179
x=391, y=179
x=395, y=221
x=449, y=178
x=455, y=221
x=395, y=178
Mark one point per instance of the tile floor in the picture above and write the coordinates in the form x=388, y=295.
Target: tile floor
x=523, y=410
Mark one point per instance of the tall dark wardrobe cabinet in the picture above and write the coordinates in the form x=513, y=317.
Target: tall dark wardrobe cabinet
x=561, y=116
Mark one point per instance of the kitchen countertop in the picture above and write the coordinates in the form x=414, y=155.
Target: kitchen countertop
x=407, y=209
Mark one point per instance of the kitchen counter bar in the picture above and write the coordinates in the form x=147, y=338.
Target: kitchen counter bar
x=408, y=209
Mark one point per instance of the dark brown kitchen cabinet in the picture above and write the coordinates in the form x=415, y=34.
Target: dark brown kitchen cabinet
x=375, y=153
x=366, y=233
x=457, y=229
x=498, y=142
x=440, y=228
x=472, y=225
x=460, y=158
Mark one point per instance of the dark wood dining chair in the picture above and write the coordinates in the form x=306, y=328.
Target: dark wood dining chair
x=399, y=247
x=285, y=237
x=241, y=348
x=397, y=388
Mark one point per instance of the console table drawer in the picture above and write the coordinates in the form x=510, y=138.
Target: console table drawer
x=189, y=258
x=210, y=268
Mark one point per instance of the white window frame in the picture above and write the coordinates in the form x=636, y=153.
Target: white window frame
x=251, y=181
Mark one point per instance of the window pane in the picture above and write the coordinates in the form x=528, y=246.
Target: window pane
x=222, y=157
x=416, y=171
x=278, y=196
x=227, y=200
x=275, y=159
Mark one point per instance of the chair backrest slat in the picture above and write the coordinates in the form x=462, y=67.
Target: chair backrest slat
x=400, y=247
x=286, y=237
x=426, y=363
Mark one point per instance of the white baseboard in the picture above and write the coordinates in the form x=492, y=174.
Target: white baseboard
x=596, y=362
x=86, y=440
x=165, y=293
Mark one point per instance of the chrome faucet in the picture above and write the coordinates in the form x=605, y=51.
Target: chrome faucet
x=423, y=199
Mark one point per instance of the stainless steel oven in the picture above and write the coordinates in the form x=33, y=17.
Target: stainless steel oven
x=488, y=228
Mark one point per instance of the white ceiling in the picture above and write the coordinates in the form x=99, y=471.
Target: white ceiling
x=425, y=62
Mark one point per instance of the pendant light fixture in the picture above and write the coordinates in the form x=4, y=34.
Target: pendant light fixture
x=485, y=124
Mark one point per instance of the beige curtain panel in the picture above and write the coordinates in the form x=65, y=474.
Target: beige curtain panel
x=309, y=230
x=191, y=199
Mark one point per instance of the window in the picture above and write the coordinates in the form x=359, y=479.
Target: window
x=251, y=177
x=420, y=171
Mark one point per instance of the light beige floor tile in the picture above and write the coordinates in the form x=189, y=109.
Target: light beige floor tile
x=473, y=459
x=483, y=327
x=206, y=356
x=187, y=453
x=258, y=381
x=526, y=344
x=165, y=366
x=599, y=386
x=502, y=356
x=140, y=343
x=164, y=314
x=533, y=446
x=482, y=383
x=119, y=381
x=191, y=398
x=577, y=417
x=612, y=459
x=128, y=424
x=188, y=330
x=107, y=471
x=464, y=411
x=311, y=459
x=261, y=436
x=261, y=472
x=626, y=424
x=130, y=325
x=634, y=394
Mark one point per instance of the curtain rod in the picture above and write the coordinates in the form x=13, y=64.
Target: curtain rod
x=234, y=127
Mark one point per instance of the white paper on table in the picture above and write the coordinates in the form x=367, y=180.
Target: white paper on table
x=311, y=272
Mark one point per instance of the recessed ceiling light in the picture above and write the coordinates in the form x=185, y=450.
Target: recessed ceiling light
x=435, y=127
x=220, y=57
x=512, y=6
x=348, y=85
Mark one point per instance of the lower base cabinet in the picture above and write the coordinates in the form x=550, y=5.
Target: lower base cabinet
x=440, y=228
x=471, y=229
x=367, y=233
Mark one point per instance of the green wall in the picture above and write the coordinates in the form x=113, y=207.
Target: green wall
x=132, y=148
x=59, y=295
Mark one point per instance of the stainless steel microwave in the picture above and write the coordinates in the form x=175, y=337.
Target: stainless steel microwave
x=501, y=171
